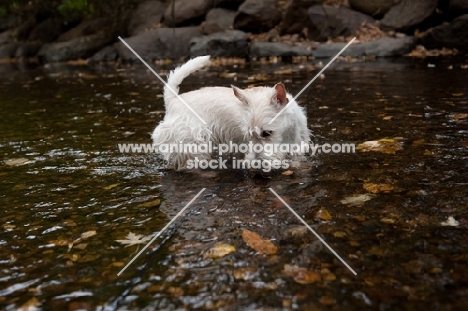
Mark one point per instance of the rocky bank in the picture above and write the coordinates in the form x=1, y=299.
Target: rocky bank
x=158, y=29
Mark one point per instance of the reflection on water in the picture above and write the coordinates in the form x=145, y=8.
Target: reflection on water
x=68, y=195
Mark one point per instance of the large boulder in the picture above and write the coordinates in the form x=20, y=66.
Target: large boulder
x=85, y=28
x=453, y=35
x=218, y=20
x=71, y=50
x=257, y=16
x=458, y=7
x=228, y=4
x=328, y=22
x=47, y=31
x=147, y=15
x=283, y=49
x=383, y=47
x=373, y=7
x=231, y=43
x=295, y=17
x=159, y=43
x=183, y=12
x=408, y=14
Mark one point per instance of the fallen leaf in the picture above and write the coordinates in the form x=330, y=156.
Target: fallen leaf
x=459, y=116
x=376, y=188
x=262, y=246
x=245, y=273
x=134, y=239
x=110, y=186
x=88, y=234
x=450, y=222
x=301, y=275
x=287, y=173
x=385, y=145
x=324, y=214
x=357, y=200
x=17, y=162
x=219, y=250
x=30, y=305
x=150, y=204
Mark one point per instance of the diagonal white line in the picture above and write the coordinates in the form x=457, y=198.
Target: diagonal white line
x=311, y=81
x=160, y=232
x=315, y=233
x=162, y=80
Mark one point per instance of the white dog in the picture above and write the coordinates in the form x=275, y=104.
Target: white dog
x=233, y=115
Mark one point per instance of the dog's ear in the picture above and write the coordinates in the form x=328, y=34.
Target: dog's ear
x=240, y=95
x=280, y=94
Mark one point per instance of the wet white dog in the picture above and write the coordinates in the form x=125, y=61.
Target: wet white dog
x=232, y=115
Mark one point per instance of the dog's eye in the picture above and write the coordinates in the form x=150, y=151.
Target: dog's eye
x=266, y=134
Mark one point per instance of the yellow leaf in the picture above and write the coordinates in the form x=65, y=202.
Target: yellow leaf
x=219, y=250
x=88, y=234
x=110, y=186
x=287, y=173
x=376, y=188
x=324, y=214
x=262, y=246
x=150, y=204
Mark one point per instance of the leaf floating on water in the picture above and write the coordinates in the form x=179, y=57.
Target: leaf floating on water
x=283, y=72
x=459, y=116
x=262, y=246
x=219, y=250
x=88, y=234
x=377, y=188
x=17, y=162
x=134, y=239
x=150, y=204
x=324, y=214
x=388, y=146
x=245, y=273
x=357, y=200
x=450, y=222
x=30, y=305
x=287, y=173
x=301, y=275
x=110, y=186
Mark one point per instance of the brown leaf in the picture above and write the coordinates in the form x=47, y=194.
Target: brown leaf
x=301, y=275
x=262, y=246
x=324, y=214
x=376, y=188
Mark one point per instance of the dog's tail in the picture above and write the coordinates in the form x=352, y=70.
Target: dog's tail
x=180, y=73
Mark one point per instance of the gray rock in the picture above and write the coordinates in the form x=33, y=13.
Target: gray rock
x=453, y=35
x=295, y=18
x=7, y=36
x=231, y=43
x=7, y=22
x=257, y=16
x=383, y=47
x=373, y=7
x=107, y=54
x=458, y=7
x=159, y=44
x=27, y=49
x=75, y=49
x=147, y=15
x=408, y=14
x=218, y=20
x=228, y=4
x=47, y=31
x=185, y=11
x=85, y=28
x=7, y=50
x=265, y=49
x=329, y=22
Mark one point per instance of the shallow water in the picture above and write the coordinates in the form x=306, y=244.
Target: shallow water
x=68, y=194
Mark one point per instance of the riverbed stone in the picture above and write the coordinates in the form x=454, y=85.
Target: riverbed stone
x=218, y=19
x=159, y=43
x=373, y=7
x=107, y=54
x=85, y=28
x=186, y=12
x=147, y=15
x=230, y=43
x=329, y=22
x=82, y=47
x=27, y=49
x=257, y=16
x=265, y=49
x=295, y=18
x=408, y=14
x=383, y=47
x=458, y=7
x=450, y=35
x=7, y=50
